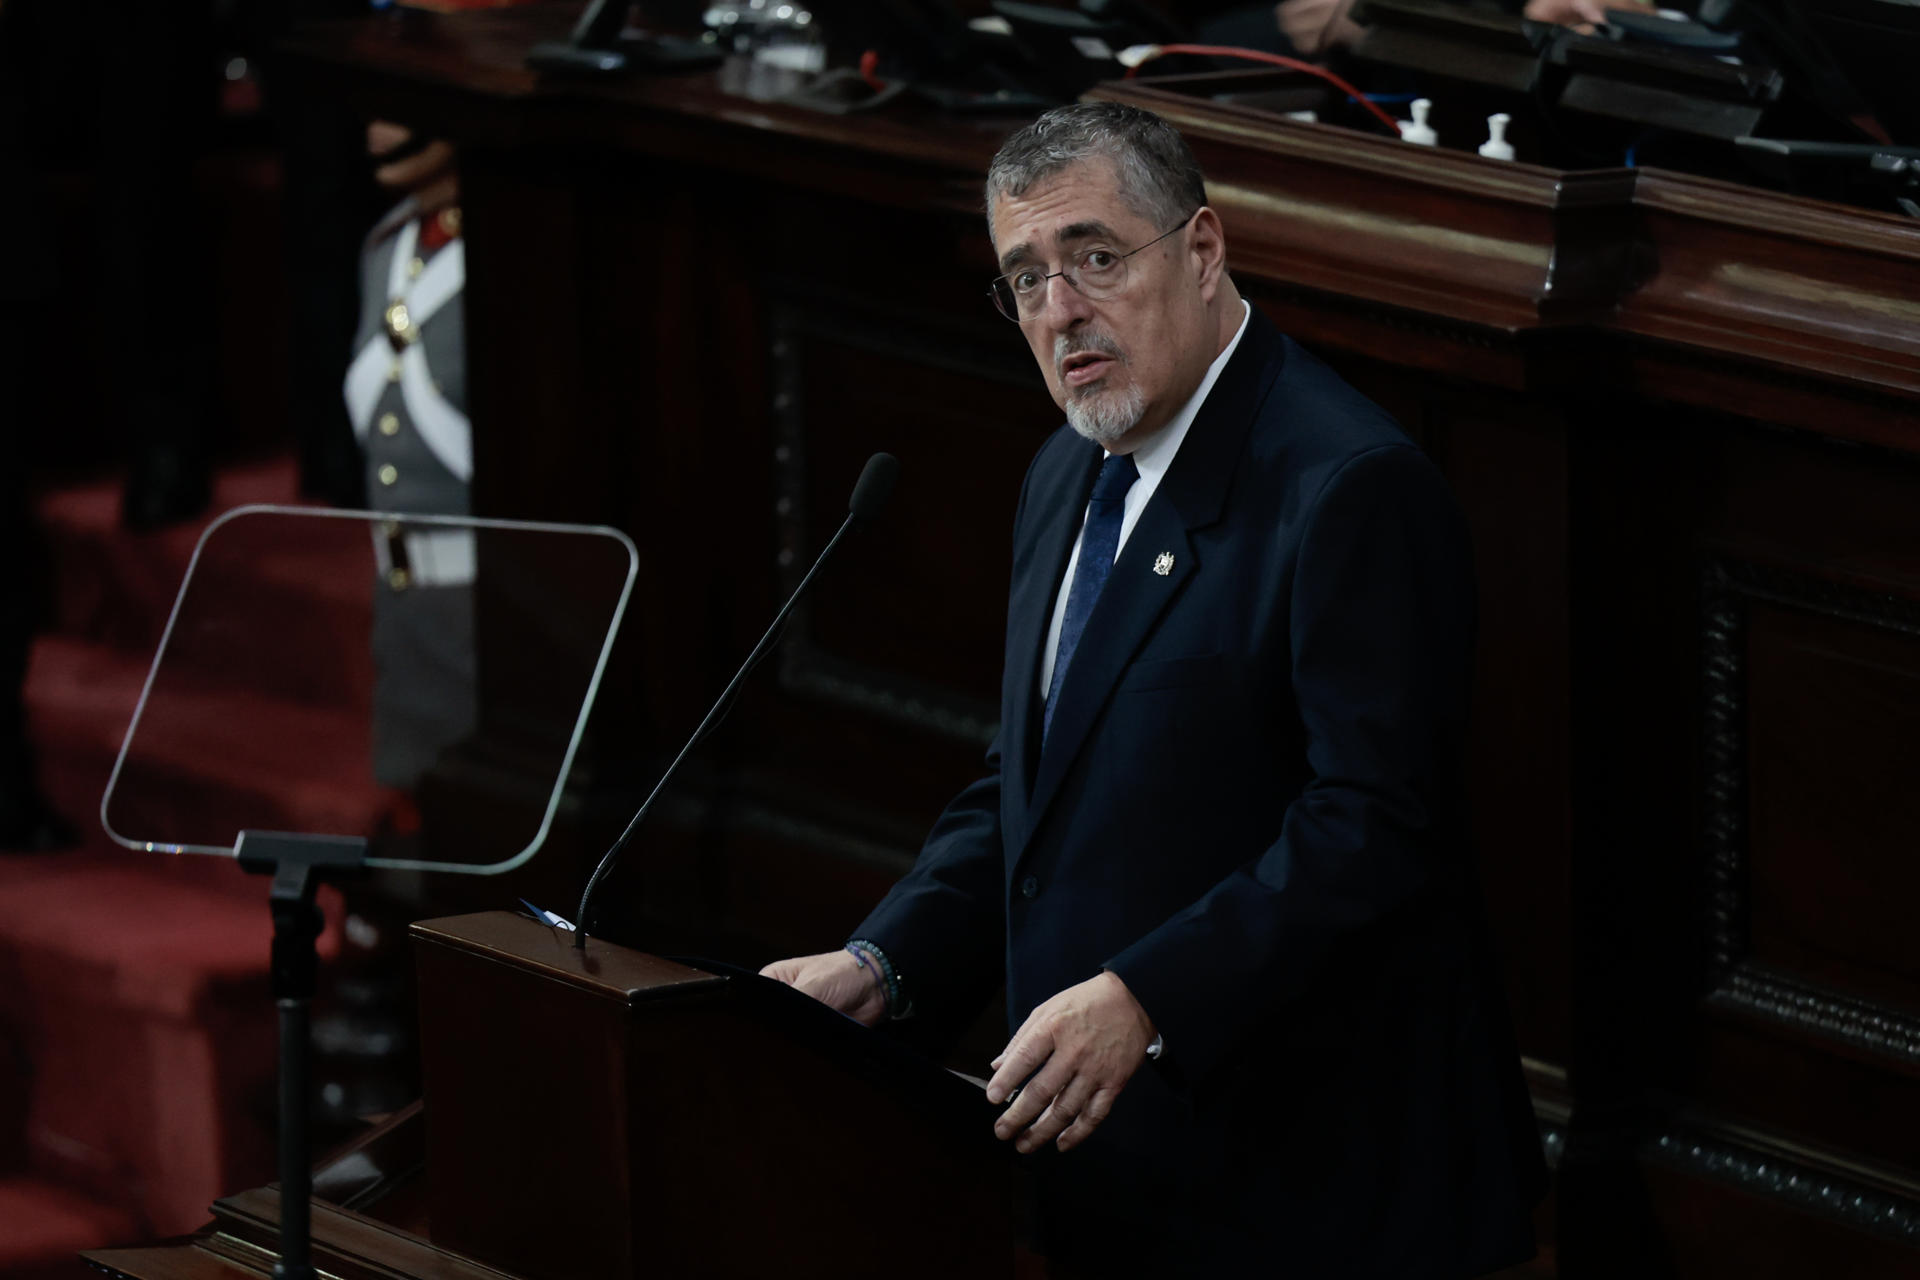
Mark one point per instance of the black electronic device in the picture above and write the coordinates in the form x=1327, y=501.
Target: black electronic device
x=1697, y=90
x=1875, y=45
x=1639, y=26
x=1782, y=32
x=1460, y=43
x=600, y=44
x=1841, y=170
x=1067, y=52
x=1152, y=25
x=920, y=41
x=928, y=48
x=1682, y=89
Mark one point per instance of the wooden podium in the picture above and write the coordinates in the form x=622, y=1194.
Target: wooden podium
x=605, y=1113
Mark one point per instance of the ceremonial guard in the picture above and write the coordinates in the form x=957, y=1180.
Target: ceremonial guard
x=406, y=398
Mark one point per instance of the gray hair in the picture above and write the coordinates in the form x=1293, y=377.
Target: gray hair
x=1159, y=178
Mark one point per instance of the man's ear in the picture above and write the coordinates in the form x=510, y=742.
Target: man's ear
x=1208, y=245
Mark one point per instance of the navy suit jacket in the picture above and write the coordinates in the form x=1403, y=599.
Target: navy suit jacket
x=1250, y=808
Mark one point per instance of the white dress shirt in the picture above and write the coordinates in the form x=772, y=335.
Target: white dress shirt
x=1152, y=458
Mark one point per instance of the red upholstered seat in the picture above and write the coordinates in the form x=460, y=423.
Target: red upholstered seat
x=45, y=1225
x=137, y=1041
x=140, y=998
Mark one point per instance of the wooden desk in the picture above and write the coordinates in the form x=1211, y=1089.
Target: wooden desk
x=603, y=1114
x=1680, y=415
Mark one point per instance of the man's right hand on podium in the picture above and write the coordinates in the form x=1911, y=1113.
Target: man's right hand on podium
x=836, y=980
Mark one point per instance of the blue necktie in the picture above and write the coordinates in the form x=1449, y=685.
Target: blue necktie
x=1099, y=541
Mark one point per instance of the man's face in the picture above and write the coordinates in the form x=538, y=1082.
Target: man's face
x=1121, y=366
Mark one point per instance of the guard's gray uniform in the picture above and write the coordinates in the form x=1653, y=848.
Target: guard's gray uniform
x=406, y=397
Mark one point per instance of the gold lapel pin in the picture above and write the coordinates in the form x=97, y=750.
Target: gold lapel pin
x=1163, y=565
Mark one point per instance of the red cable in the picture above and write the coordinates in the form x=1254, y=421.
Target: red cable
x=1292, y=64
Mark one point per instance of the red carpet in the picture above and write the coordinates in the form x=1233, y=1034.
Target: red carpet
x=136, y=1030
x=44, y=1226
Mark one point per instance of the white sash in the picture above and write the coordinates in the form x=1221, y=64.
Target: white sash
x=435, y=557
x=446, y=430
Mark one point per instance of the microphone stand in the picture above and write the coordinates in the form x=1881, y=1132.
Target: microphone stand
x=714, y=716
x=869, y=495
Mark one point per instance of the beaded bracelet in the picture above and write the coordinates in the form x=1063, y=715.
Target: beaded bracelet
x=860, y=949
x=860, y=958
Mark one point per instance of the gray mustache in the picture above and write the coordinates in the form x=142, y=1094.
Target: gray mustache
x=1073, y=344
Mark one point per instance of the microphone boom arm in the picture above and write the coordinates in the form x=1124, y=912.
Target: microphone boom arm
x=876, y=482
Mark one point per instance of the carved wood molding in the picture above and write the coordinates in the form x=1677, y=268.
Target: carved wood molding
x=1735, y=980
x=1835, y=1195
x=1508, y=246
x=806, y=669
x=1764, y=276
x=1751, y=988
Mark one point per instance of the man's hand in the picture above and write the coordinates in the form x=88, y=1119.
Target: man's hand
x=835, y=979
x=428, y=175
x=1314, y=26
x=1570, y=13
x=1085, y=1044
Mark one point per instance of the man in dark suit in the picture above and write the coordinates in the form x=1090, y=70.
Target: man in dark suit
x=1219, y=856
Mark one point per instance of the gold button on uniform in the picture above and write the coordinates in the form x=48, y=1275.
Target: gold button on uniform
x=402, y=332
x=415, y=267
x=398, y=578
x=389, y=424
x=389, y=473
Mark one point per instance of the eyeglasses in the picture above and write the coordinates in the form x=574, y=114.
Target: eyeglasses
x=1097, y=273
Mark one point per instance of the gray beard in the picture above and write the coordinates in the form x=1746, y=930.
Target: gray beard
x=1105, y=416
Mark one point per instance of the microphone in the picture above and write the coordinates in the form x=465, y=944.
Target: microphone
x=870, y=494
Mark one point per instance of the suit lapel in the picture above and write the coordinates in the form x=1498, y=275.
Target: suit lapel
x=1131, y=602
x=1191, y=496
x=1061, y=499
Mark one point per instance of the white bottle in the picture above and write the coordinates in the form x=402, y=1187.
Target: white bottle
x=1417, y=130
x=1496, y=147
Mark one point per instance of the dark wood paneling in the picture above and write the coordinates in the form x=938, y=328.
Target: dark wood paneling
x=1729, y=1209
x=1518, y=760
x=1680, y=417
x=1830, y=703
x=898, y=630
